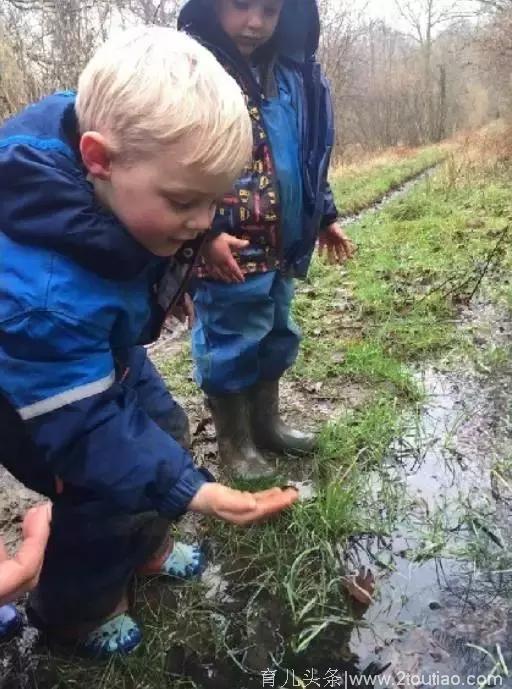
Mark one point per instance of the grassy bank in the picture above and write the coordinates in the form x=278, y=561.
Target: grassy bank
x=358, y=186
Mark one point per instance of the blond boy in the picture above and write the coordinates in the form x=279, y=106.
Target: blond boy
x=104, y=199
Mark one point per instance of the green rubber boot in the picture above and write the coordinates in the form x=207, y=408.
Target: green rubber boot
x=237, y=451
x=269, y=430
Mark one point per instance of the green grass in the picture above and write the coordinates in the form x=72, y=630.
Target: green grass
x=422, y=257
x=357, y=189
x=177, y=372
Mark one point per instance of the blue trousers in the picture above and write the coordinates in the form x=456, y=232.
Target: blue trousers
x=243, y=332
x=94, y=549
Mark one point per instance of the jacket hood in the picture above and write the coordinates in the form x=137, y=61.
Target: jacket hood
x=296, y=37
x=46, y=200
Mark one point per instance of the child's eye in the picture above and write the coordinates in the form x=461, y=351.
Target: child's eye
x=270, y=11
x=241, y=4
x=180, y=206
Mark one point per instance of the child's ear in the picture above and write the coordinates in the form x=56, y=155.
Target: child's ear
x=96, y=155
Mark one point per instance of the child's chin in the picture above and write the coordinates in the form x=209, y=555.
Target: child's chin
x=168, y=250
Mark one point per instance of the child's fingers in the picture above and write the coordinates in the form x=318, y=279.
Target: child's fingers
x=235, y=243
x=225, y=275
x=231, y=276
x=267, y=504
x=189, y=310
x=37, y=523
x=235, y=271
x=269, y=491
x=217, y=274
x=347, y=245
x=341, y=253
x=237, y=502
x=220, y=274
x=274, y=504
x=263, y=495
x=345, y=249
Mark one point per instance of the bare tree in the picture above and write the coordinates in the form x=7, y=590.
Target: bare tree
x=425, y=18
x=389, y=86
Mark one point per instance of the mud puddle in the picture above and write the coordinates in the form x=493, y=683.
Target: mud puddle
x=445, y=593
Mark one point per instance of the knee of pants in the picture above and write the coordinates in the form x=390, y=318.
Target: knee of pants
x=232, y=321
x=278, y=353
x=280, y=348
x=225, y=367
x=175, y=423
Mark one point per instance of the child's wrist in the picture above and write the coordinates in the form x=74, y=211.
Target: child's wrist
x=201, y=500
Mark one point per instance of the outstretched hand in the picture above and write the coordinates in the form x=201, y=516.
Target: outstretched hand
x=241, y=507
x=20, y=573
x=336, y=242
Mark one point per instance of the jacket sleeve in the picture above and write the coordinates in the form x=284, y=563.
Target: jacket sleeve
x=330, y=213
x=89, y=430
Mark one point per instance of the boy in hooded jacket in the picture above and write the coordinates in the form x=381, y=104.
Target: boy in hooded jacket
x=265, y=230
x=104, y=198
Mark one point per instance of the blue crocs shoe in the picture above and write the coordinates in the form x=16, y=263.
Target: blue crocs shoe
x=184, y=561
x=11, y=622
x=118, y=636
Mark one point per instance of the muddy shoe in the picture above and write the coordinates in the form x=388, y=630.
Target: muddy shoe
x=113, y=634
x=269, y=430
x=181, y=561
x=118, y=636
x=11, y=622
x=238, y=453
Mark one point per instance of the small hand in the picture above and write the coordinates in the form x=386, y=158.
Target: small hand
x=219, y=259
x=20, y=573
x=184, y=311
x=337, y=243
x=240, y=507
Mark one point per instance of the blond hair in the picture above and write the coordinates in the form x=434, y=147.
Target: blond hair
x=154, y=86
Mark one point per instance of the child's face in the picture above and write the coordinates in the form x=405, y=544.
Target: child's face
x=161, y=202
x=249, y=23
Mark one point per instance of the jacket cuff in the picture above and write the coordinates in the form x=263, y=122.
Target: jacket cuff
x=175, y=503
x=328, y=220
x=212, y=233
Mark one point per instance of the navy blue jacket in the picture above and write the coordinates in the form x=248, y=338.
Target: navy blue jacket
x=252, y=210
x=76, y=293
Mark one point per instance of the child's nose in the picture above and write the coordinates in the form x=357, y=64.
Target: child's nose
x=202, y=219
x=255, y=20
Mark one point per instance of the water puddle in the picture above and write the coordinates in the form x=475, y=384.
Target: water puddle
x=445, y=601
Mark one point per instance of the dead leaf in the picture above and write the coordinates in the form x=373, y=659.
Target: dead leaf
x=361, y=585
